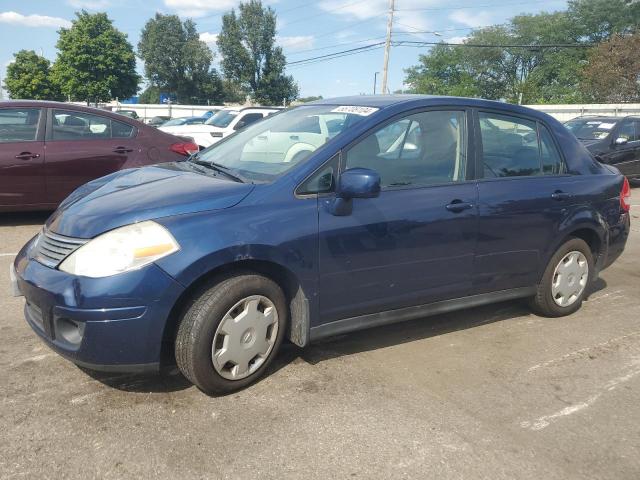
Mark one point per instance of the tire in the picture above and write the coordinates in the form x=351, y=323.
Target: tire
x=547, y=304
x=222, y=310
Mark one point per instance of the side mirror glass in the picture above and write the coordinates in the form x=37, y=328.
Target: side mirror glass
x=621, y=141
x=358, y=183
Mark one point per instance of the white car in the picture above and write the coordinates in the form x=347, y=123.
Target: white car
x=222, y=124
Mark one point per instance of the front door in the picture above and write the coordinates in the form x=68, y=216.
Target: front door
x=82, y=147
x=413, y=244
x=626, y=156
x=21, y=157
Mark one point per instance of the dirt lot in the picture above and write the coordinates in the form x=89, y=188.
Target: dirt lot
x=494, y=392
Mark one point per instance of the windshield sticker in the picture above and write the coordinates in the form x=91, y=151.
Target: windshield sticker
x=607, y=126
x=362, y=111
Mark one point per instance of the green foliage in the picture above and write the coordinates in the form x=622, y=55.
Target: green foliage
x=29, y=78
x=250, y=57
x=151, y=94
x=526, y=74
x=95, y=61
x=613, y=73
x=177, y=61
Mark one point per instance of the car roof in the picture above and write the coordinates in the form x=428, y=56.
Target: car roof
x=67, y=106
x=417, y=101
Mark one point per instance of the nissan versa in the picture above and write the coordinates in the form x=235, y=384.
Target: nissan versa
x=330, y=217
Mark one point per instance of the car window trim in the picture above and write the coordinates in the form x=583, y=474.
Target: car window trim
x=296, y=192
x=468, y=141
x=48, y=137
x=40, y=127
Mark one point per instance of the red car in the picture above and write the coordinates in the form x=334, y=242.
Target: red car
x=48, y=149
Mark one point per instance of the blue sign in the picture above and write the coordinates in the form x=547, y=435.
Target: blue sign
x=165, y=97
x=130, y=101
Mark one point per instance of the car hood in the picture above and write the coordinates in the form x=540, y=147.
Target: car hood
x=186, y=129
x=139, y=194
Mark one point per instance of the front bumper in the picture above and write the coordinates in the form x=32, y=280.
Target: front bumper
x=112, y=323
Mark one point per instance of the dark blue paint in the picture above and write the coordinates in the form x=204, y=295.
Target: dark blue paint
x=404, y=247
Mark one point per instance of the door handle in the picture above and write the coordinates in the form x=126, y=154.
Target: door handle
x=560, y=195
x=27, y=156
x=458, y=206
x=122, y=150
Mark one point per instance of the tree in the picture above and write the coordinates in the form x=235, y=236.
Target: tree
x=177, y=61
x=613, y=73
x=28, y=77
x=95, y=61
x=598, y=20
x=250, y=56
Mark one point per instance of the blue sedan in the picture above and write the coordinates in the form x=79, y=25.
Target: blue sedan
x=323, y=219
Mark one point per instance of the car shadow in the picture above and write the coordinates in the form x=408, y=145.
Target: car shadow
x=17, y=219
x=411, y=331
x=167, y=380
x=170, y=379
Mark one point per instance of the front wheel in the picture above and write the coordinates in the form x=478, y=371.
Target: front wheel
x=231, y=332
x=565, y=280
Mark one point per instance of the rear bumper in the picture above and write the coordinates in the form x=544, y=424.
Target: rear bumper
x=618, y=235
x=114, y=323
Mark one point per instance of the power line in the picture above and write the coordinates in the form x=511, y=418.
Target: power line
x=327, y=47
x=357, y=49
x=461, y=7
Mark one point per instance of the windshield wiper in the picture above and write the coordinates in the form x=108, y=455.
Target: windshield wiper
x=217, y=167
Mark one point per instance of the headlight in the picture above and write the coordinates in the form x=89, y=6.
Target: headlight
x=121, y=250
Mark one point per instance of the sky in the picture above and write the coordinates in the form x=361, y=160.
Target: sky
x=306, y=29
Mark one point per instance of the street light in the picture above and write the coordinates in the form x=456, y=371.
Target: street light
x=375, y=81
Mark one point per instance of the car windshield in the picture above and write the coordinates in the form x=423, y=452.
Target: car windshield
x=174, y=121
x=590, y=129
x=266, y=149
x=222, y=119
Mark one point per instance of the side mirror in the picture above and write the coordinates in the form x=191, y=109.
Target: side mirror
x=621, y=141
x=354, y=183
x=239, y=125
x=358, y=183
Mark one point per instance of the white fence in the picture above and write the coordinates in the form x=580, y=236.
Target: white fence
x=561, y=112
x=567, y=112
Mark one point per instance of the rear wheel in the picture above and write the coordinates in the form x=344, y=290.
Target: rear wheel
x=231, y=332
x=565, y=280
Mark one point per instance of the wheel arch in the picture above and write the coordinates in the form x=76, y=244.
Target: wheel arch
x=297, y=300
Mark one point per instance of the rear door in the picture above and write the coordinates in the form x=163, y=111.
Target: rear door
x=83, y=146
x=22, y=157
x=523, y=197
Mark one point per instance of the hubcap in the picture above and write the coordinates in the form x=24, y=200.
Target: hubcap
x=245, y=337
x=570, y=278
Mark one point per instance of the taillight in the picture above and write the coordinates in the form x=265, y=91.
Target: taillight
x=625, y=196
x=185, y=148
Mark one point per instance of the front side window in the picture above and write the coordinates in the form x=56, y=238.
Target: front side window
x=628, y=131
x=510, y=147
x=248, y=119
x=19, y=124
x=267, y=149
x=422, y=149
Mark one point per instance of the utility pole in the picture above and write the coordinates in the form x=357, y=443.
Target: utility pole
x=387, y=47
x=375, y=81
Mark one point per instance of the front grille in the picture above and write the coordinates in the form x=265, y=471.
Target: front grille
x=51, y=249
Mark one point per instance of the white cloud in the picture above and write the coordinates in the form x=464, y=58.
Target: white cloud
x=200, y=8
x=472, y=19
x=457, y=39
x=15, y=18
x=300, y=42
x=209, y=38
x=90, y=4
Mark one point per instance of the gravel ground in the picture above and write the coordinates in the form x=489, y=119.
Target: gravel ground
x=494, y=392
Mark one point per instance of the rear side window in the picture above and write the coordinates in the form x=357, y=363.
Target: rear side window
x=121, y=130
x=19, y=124
x=72, y=125
x=248, y=119
x=551, y=159
x=511, y=147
